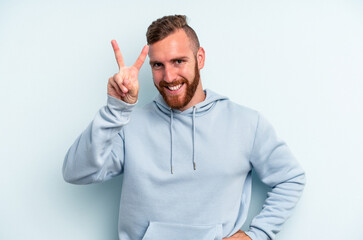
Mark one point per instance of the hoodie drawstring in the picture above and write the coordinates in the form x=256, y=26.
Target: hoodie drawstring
x=171, y=139
x=194, y=109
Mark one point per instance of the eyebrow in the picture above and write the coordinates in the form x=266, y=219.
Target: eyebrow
x=171, y=60
x=179, y=58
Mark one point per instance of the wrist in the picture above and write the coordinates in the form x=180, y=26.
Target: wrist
x=118, y=104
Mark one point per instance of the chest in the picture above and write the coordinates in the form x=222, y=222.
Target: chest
x=219, y=147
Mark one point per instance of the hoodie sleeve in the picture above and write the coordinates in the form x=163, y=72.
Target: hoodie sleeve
x=276, y=167
x=97, y=154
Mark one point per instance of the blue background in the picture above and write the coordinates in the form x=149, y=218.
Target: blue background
x=298, y=62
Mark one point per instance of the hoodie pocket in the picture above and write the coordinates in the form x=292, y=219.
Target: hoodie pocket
x=175, y=231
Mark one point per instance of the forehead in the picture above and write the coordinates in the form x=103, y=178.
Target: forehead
x=175, y=45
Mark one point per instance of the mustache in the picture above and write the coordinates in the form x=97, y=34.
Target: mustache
x=163, y=83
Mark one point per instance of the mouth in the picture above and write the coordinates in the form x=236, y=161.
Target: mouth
x=174, y=88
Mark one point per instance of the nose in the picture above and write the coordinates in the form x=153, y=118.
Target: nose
x=169, y=74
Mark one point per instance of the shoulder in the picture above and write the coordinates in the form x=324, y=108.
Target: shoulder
x=230, y=107
x=146, y=116
x=240, y=111
x=144, y=111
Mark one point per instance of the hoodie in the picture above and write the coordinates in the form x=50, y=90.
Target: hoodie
x=187, y=174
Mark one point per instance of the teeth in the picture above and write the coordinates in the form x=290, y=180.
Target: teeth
x=174, y=88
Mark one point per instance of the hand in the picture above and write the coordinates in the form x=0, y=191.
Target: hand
x=124, y=85
x=240, y=235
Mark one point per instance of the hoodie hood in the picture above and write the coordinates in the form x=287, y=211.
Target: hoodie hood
x=199, y=109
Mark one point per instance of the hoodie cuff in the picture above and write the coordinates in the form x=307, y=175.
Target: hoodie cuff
x=254, y=235
x=117, y=104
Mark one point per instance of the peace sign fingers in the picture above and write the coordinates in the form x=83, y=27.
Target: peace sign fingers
x=124, y=85
x=141, y=59
x=118, y=55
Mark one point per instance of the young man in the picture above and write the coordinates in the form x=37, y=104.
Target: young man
x=187, y=156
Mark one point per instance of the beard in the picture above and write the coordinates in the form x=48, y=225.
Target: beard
x=179, y=102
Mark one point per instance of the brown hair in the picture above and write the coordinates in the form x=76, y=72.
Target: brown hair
x=163, y=27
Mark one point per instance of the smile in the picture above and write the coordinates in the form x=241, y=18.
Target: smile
x=174, y=88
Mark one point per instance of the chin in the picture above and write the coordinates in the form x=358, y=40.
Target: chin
x=176, y=102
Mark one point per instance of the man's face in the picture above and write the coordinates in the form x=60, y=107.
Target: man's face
x=175, y=69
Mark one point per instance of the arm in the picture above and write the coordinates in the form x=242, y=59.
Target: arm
x=97, y=154
x=277, y=168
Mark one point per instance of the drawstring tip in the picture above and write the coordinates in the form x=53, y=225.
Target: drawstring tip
x=194, y=166
x=171, y=170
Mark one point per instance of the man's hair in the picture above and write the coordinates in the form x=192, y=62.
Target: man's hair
x=163, y=27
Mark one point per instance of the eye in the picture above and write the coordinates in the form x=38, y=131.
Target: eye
x=179, y=61
x=157, y=65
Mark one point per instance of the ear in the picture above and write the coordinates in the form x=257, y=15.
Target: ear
x=200, y=57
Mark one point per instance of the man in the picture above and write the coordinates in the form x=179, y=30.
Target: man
x=187, y=156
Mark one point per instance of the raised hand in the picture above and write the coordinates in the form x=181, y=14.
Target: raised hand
x=124, y=85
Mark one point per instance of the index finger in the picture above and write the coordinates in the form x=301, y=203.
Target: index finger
x=141, y=59
x=118, y=55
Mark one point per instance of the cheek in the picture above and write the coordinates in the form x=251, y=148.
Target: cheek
x=187, y=73
x=157, y=77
